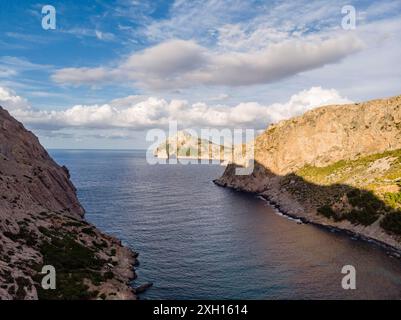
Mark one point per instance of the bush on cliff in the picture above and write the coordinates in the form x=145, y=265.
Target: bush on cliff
x=392, y=222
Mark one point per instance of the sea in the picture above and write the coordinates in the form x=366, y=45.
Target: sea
x=199, y=241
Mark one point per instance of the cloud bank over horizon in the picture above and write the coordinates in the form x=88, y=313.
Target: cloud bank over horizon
x=111, y=70
x=137, y=113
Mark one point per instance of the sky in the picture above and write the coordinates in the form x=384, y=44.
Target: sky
x=111, y=71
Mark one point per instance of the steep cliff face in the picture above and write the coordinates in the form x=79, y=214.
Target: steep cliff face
x=29, y=176
x=335, y=165
x=329, y=134
x=41, y=223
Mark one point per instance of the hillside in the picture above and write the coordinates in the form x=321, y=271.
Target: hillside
x=338, y=166
x=185, y=146
x=42, y=223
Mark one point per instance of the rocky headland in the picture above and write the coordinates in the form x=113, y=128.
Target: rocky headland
x=42, y=223
x=335, y=166
x=184, y=145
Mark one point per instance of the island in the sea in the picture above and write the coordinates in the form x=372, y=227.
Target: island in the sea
x=184, y=145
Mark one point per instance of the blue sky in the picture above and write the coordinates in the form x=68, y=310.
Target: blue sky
x=111, y=70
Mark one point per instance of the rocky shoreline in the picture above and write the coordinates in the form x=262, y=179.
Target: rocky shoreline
x=286, y=209
x=338, y=167
x=42, y=224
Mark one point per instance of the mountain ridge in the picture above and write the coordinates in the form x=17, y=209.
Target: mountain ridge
x=338, y=166
x=42, y=223
x=184, y=145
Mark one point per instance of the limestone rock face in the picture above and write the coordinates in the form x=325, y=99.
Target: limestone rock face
x=329, y=134
x=183, y=145
x=29, y=176
x=335, y=165
x=41, y=223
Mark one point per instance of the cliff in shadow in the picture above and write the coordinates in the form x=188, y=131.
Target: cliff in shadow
x=337, y=166
x=42, y=223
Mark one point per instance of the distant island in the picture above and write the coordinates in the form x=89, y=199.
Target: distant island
x=337, y=166
x=183, y=145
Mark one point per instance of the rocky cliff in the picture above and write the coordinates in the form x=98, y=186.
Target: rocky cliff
x=183, y=145
x=336, y=165
x=41, y=223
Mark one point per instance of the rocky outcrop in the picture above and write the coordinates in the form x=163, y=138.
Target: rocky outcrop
x=184, y=145
x=329, y=134
x=42, y=223
x=336, y=166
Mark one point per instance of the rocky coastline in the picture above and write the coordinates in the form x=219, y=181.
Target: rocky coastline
x=285, y=210
x=42, y=224
x=337, y=167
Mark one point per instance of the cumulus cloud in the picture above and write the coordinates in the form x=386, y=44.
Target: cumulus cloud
x=183, y=63
x=140, y=113
x=12, y=101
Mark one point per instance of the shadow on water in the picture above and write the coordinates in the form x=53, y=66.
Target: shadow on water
x=337, y=202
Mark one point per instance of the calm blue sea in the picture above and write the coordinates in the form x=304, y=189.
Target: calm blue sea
x=199, y=241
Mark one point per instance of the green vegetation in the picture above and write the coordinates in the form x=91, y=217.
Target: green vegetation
x=392, y=222
x=393, y=199
x=328, y=212
x=366, y=207
x=24, y=235
x=89, y=231
x=363, y=217
x=354, y=190
x=75, y=265
x=344, y=170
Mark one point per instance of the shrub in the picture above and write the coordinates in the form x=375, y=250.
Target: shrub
x=328, y=212
x=108, y=275
x=364, y=199
x=367, y=207
x=393, y=199
x=89, y=231
x=392, y=222
x=365, y=217
x=74, y=263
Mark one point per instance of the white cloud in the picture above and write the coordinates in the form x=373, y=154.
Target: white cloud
x=140, y=113
x=219, y=97
x=86, y=32
x=10, y=100
x=180, y=64
x=78, y=76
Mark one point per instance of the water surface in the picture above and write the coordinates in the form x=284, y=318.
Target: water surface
x=200, y=241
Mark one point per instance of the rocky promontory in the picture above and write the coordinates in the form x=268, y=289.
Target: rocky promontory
x=338, y=166
x=184, y=145
x=42, y=223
